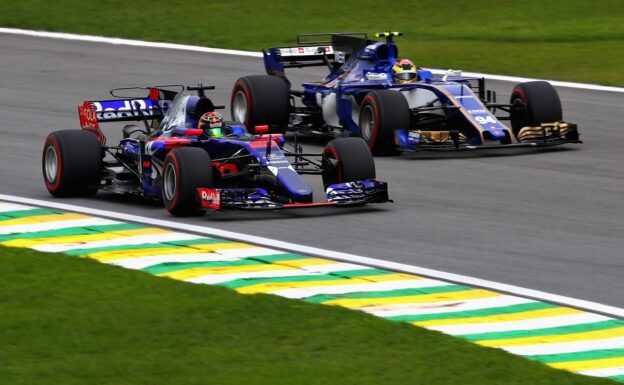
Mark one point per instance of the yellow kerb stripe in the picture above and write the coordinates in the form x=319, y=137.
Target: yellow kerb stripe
x=576, y=366
x=573, y=337
x=271, y=287
x=201, y=271
x=306, y=262
x=438, y=297
x=389, y=277
x=525, y=315
x=42, y=219
x=114, y=255
x=83, y=238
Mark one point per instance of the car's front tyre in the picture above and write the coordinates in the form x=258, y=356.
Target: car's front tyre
x=381, y=113
x=184, y=171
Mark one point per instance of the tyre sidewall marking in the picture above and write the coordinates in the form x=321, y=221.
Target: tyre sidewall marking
x=176, y=167
x=375, y=130
x=53, y=186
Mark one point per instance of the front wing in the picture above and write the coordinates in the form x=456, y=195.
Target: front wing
x=341, y=194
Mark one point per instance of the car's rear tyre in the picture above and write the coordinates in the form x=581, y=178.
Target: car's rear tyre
x=72, y=163
x=185, y=169
x=534, y=103
x=381, y=113
x=259, y=100
x=347, y=160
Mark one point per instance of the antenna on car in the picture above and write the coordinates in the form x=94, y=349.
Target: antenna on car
x=389, y=35
x=201, y=89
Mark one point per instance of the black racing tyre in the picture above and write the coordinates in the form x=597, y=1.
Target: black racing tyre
x=72, y=163
x=259, y=100
x=347, y=160
x=381, y=113
x=185, y=169
x=534, y=103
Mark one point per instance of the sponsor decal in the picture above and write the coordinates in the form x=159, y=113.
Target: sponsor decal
x=485, y=119
x=376, y=76
x=481, y=111
x=89, y=120
x=121, y=109
x=210, y=198
x=306, y=51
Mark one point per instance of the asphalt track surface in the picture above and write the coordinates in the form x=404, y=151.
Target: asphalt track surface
x=547, y=220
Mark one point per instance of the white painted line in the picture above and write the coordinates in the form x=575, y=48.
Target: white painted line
x=273, y=243
x=529, y=324
x=126, y=42
x=221, y=51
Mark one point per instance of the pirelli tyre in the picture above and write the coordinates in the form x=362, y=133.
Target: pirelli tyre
x=184, y=170
x=260, y=100
x=534, y=103
x=347, y=160
x=381, y=113
x=72, y=163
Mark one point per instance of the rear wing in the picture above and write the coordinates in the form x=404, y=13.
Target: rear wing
x=315, y=49
x=152, y=107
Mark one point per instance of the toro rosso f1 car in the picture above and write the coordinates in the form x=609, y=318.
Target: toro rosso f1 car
x=168, y=157
x=363, y=96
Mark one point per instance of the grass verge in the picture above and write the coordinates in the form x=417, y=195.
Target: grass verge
x=67, y=320
x=572, y=40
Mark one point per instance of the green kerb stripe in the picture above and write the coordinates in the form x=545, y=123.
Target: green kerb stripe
x=617, y=378
x=474, y=313
x=577, y=356
x=389, y=293
x=545, y=331
x=168, y=267
x=70, y=231
x=27, y=213
x=242, y=282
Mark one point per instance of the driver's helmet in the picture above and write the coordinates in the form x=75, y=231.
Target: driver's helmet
x=212, y=124
x=404, y=71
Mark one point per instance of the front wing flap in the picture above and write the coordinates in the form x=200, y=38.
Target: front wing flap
x=341, y=194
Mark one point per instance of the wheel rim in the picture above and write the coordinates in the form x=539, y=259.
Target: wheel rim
x=169, y=182
x=367, y=123
x=239, y=106
x=51, y=164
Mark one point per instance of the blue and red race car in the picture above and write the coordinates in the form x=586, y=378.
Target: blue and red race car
x=190, y=168
x=392, y=104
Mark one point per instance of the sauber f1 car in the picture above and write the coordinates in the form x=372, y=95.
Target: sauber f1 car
x=168, y=157
x=363, y=96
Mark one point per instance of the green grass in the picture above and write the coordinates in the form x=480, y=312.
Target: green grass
x=67, y=320
x=574, y=40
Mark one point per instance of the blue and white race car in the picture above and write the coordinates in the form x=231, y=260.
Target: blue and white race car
x=193, y=167
x=392, y=104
